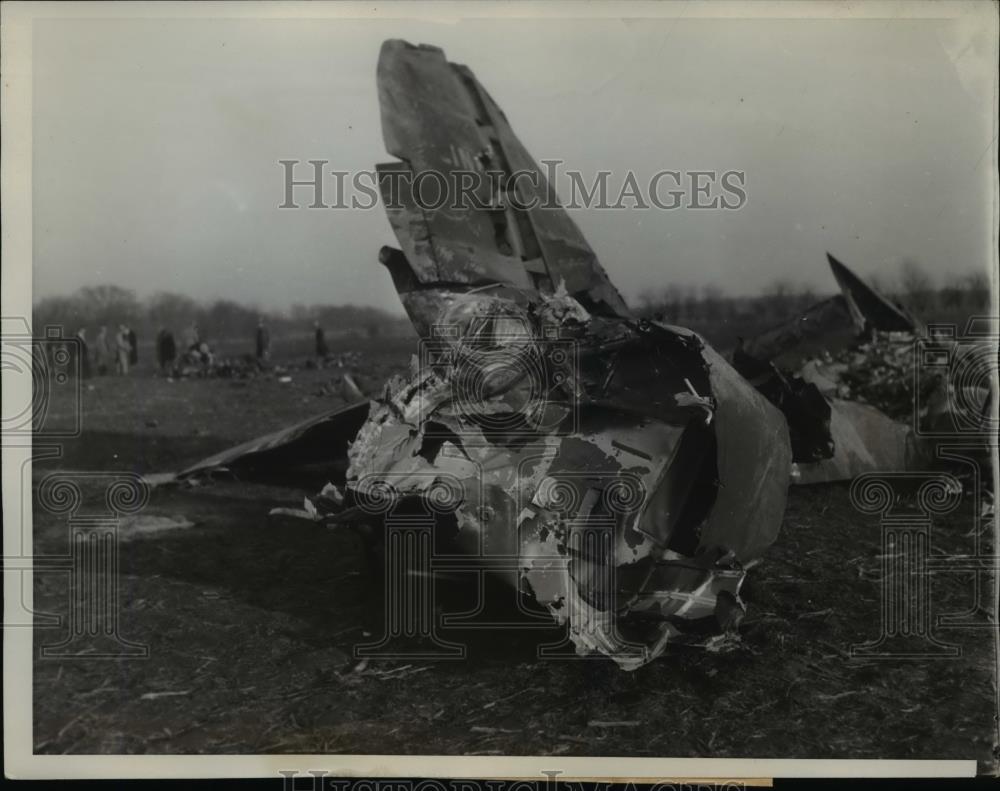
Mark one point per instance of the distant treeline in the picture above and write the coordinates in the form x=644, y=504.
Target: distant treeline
x=913, y=287
x=92, y=307
x=722, y=318
x=707, y=309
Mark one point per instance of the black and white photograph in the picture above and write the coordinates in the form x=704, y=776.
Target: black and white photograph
x=550, y=391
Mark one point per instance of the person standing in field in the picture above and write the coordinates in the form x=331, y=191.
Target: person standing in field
x=166, y=350
x=102, y=351
x=83, y=350
x=321, y=348
x=122, y=349
x=192, y=338
x=263, y=342
x=133, y=347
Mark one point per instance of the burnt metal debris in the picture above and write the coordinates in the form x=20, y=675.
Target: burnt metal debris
x=628, y=471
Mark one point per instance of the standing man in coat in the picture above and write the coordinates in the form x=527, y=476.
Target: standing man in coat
x=133, y=347
x=166, y=350
x=84, y=353
x=263, y=342
x=321, y=348
x=102, y=351
x=122, y=348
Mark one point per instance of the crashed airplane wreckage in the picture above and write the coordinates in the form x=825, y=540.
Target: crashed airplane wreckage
x=618, y=471
x=892, y=395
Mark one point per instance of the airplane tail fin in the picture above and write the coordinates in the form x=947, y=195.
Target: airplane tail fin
x=869, y=309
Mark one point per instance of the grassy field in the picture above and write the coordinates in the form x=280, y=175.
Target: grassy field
x=251, y=621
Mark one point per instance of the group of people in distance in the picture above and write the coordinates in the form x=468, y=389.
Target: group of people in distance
x=196, y=351
x=118, y=353
x=110, y=353
x=263, y=342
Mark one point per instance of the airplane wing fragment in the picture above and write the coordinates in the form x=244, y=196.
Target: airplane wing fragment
x=306, y=454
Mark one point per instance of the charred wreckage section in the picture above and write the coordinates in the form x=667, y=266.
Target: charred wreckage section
x=619, y=471
x=620, y=489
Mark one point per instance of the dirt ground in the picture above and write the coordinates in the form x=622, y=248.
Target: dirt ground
x=250, y=623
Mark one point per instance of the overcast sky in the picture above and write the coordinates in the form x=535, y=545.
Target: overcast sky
x=156, y=146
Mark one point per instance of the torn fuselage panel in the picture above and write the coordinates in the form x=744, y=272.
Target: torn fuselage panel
x=802, y=402
x=631, y=475
x=754, y=458
x=865, y=440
